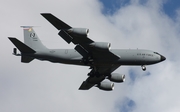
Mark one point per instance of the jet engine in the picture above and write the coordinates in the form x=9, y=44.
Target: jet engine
x=106, y=85
x=115, y=77
x=83, y=32
x=101, y=46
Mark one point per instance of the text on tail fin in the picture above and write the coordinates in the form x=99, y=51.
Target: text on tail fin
x=31, y=38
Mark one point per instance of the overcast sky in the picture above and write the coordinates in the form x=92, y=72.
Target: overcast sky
x=126, y=24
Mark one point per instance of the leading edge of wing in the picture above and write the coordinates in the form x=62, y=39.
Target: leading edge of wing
x=55, y=21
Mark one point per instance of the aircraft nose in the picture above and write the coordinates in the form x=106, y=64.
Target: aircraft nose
x=163, y=58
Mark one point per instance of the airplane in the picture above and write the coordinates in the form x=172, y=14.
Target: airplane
x=101, y=59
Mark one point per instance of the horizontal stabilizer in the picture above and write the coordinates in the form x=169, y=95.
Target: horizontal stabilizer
x=21, y=46
x=55, y=21
x=26, y=59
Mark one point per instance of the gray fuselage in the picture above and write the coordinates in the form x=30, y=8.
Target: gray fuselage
x=127, y=57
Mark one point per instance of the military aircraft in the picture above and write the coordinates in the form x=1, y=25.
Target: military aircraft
x=102, y=60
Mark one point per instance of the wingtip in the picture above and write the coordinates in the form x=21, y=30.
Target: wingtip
x=56, y=22
x=11, y=38
x=45, y=14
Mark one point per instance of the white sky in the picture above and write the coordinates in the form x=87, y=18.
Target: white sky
x=44, y=86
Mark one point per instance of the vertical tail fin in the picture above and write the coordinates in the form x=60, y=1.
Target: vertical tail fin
x=31, y=38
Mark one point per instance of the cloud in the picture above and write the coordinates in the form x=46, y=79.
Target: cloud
x=44, y=86
x=146, y=26
x=126, y=105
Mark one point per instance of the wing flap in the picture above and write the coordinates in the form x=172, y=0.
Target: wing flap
x=82, y=51
x=65, y=36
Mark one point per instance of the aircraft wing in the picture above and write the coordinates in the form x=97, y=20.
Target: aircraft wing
x=94, y=81
x=82, y=42
x=97, y=58
x=60, y=25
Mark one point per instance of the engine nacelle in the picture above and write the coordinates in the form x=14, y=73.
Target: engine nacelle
x=115, y=77
x=106, y=85
x=102, y=46
x=83, y=32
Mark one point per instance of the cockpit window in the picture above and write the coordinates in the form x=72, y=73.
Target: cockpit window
x=156, y=53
